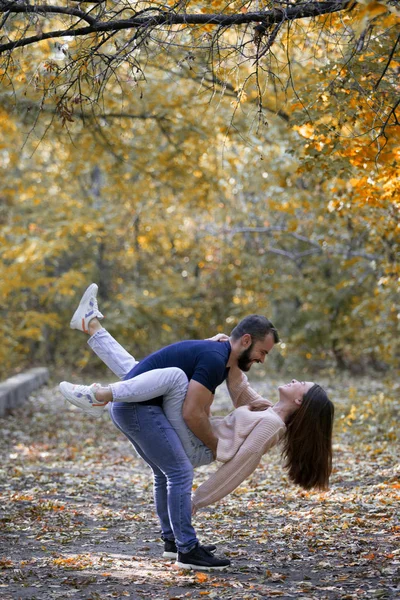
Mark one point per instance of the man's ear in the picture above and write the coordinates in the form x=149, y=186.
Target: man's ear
x=246, y=340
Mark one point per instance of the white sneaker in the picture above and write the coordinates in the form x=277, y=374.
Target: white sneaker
x=83, y=396
x=87, y=310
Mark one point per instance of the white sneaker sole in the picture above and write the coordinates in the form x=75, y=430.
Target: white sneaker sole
x=78, y=319
x=94, y=412
x=199, y=567
x=174, y=555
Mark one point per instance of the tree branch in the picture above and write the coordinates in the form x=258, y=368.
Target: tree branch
x=336, y=250
x=388, y=63
x=45, y=9
x=267, y=18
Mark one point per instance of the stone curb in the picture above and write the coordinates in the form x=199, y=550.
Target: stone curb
x=15, y=390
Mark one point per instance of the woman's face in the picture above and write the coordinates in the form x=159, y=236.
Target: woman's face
x=294, y=390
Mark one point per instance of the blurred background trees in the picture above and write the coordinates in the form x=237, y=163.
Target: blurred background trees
x=200, y=173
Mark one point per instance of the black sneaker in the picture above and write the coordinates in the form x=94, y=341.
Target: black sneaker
x=171, y=551
x=200, y=559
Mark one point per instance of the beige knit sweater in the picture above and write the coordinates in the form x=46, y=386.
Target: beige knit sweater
x=243, y=437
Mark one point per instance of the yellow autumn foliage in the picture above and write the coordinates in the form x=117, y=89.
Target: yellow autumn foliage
x=194, y=199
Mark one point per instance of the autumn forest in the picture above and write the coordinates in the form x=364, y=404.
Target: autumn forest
x=201, y=172
x=200, y=161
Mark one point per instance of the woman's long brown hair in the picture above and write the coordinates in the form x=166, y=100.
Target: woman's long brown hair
x=307, y=446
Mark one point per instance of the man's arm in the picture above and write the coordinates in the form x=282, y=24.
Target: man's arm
x=195, y=412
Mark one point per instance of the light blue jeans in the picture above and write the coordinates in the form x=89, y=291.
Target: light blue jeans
x=154, y=437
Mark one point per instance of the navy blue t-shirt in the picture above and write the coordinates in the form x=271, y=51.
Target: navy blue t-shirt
x=201, y=360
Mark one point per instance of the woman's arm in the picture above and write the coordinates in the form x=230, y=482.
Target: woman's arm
x=231, y=474
x=228, y=477
x=240, y=391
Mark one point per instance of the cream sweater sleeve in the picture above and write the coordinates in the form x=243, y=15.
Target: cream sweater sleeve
x=231, y=474
x=239, y=389
x=226, y=479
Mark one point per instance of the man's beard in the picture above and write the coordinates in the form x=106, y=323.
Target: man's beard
x=244, y=361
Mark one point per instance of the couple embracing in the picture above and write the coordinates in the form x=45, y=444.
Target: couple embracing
x=162, y=405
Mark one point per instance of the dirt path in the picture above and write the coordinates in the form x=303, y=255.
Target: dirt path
x=77, y=520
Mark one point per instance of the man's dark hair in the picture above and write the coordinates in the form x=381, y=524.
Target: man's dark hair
x=257, y=326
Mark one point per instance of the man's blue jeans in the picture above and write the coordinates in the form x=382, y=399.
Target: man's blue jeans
x=153, y=437
x=155, y=440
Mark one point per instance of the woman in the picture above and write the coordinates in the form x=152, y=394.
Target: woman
x=302, y=419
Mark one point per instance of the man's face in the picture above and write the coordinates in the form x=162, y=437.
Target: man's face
x=255, y=351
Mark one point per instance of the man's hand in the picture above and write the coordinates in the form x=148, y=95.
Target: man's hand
x=220, y=337
x=195, y=412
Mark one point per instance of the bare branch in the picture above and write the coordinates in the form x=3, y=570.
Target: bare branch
x=335, y=250
x=44, y=10
x=388, y=63
x=267, y=18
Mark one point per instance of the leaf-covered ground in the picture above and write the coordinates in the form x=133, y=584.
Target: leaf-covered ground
x=77, y=519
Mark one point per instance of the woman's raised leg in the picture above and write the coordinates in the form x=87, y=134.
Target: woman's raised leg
x=86, y=318
x=111, y=352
